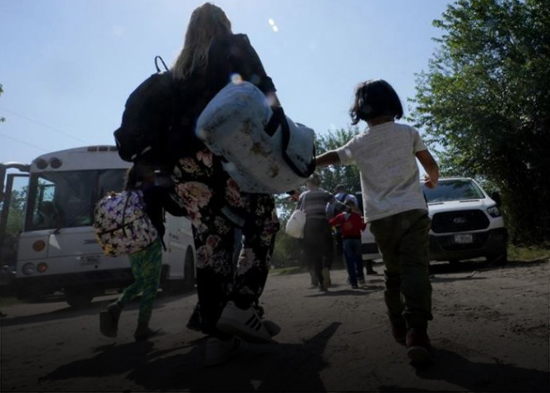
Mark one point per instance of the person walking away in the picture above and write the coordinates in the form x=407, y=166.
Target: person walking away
x=395, y=208
x=352, y=224
x=333, y=210
x=147, y=263
x=213, y=56
x=317, y=241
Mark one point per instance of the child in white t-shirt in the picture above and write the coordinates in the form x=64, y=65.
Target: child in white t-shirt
x=395, y=207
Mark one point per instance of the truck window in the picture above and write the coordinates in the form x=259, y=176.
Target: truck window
x=453, y=190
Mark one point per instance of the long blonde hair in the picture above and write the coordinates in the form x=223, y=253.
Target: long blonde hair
x=207, y=23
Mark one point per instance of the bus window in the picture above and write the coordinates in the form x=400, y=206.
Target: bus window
x=67, y=199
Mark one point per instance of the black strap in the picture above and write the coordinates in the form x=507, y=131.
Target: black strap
x=157, y=58
x=277, y=119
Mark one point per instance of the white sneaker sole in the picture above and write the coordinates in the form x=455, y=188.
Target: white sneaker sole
x=251, y=329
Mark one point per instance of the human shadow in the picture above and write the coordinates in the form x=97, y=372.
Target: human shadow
x=92, y=309
x=484, y=377
x=264, y=368
x=439, y=279
x=110, y=360
x=345, y=292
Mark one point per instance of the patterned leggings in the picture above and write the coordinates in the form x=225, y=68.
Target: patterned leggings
x=216, y=207
x=146, y=267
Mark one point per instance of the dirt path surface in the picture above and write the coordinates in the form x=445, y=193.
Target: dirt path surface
x=490, y=334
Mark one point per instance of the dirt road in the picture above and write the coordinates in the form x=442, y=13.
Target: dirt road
x=490, y=334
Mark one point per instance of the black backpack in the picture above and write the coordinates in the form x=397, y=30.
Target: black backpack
x=147, y=130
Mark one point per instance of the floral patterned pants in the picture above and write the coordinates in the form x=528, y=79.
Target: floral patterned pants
x=216, y=206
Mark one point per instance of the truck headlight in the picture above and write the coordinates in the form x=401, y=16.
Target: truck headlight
x=493, y=211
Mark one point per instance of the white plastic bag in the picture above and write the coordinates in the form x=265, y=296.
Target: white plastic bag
x=261, y=160
x=295, y=224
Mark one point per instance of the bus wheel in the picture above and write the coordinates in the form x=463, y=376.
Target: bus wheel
x=78, y=297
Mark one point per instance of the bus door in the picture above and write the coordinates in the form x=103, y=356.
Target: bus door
x=13, y=199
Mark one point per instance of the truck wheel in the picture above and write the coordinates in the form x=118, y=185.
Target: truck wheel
x=78, y=297
x=499, y=259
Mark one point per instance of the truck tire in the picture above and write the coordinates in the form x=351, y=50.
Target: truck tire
x=78, y=297
x=498, y=259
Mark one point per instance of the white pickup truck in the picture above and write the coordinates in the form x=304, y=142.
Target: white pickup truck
x=466, y=224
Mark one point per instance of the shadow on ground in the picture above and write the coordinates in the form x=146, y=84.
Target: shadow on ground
x=266, y=367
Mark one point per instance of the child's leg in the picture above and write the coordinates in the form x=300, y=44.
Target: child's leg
x=136, y=259
x=415, y=260
x=150, y=272
x=350, y=261
x=387, y=233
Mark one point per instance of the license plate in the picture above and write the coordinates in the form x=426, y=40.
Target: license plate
x=89, y=260
x=464, y=238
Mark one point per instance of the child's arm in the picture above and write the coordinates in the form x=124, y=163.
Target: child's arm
x=335, y=220
x=430, y=166
x=328, y=158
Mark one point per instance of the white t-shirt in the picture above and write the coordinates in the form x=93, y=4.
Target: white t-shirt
x=390, y=180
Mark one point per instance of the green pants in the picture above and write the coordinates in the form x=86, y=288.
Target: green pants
x=404, y=244
x=146, y=267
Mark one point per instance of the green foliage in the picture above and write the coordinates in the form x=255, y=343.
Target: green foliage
x=16, y=213
x=338, y=174
x=286, y=248
x=485, y=104
x=14, y=226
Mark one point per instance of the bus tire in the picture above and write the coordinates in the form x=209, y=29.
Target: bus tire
x=78, y=297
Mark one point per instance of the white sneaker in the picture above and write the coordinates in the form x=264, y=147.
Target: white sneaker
x=219, y=351
x=272, y=328
x=245, y=324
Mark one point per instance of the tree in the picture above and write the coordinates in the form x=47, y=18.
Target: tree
x=484, y=104
x=332, y=176
x=287, y=248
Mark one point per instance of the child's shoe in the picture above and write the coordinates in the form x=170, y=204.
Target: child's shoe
x=399, y=332
x=108, y=320
x=144, y=332
x=419, y=349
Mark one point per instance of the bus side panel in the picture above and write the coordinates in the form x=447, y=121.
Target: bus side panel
x=178, y=239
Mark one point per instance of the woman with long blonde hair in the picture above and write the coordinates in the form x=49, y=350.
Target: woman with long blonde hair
x=213, y=56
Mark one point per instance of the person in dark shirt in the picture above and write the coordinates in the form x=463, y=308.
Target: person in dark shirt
x=212, y=56
x=317, y=241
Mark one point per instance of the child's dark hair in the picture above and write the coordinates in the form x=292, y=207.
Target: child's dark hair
x=375, y=98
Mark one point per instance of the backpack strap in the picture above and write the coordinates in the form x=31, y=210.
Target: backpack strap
x=157, y=58
x=278, y=118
